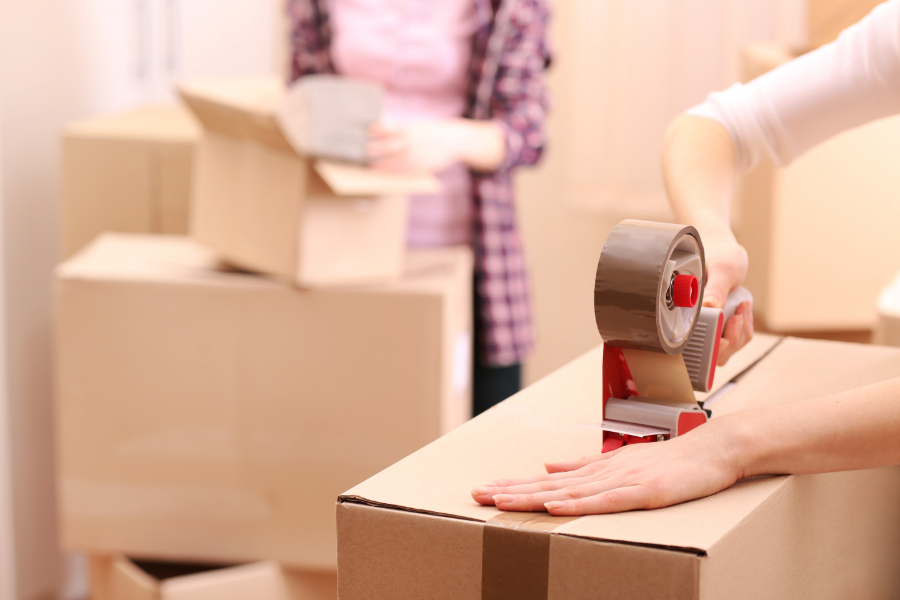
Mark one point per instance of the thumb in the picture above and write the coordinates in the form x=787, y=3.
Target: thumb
x=718, y=286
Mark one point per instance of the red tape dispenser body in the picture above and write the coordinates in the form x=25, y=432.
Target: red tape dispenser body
x=659, y=345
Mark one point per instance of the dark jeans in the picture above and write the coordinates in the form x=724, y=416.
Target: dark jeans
x=490, y=385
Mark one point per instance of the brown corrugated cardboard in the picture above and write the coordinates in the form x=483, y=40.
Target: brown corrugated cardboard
x=414, y=526
x=828, y=18
x=215, y=416
x=794, y=222
x=116, y=577
x=266, y=208
x=128, y=172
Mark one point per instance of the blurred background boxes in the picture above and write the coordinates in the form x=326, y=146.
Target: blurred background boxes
x=215, y=416
x=822, y=232
x=116, y=577
x=267, y=208
x=119, y=578
x=128, y=172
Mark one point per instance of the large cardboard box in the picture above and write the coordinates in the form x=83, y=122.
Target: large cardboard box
x=128, y=172
x=116, y=577
x=413, y=531
x=828, y=217
x=214, y=416
x=269, y=209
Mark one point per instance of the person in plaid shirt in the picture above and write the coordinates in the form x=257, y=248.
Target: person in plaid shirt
x=465, y=99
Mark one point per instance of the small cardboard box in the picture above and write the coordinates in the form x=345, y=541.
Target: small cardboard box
x=833, y=210
x=117, y=577
x=266, y=208
x=413, y=531
x=215, y=416
x=128, y=172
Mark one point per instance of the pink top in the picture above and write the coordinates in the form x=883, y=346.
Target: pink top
x=419, y=50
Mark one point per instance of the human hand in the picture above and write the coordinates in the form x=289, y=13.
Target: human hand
x=641, y=476
x=424, y=146
x=726, y=267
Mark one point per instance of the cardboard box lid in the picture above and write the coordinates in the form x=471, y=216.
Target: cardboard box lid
x=163, y=123
x=247, y=108
x=127, y=580
x=546, y=421
x=179, y=260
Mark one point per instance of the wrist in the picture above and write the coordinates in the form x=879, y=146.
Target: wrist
x=740, y=444
x=479, y=145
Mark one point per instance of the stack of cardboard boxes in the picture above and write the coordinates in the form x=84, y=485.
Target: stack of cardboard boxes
x=215, y=393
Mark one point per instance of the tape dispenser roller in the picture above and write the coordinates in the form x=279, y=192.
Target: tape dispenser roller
x=660, y=344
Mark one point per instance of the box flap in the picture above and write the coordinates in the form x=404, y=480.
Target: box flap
x=262, y=580
x=241, y=107
x=347, y=179
x=163, y=123
x=547, y=421
x=179, y=260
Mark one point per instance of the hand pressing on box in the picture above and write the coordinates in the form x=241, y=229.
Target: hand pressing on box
x=855, y=429
x=641, y=476
x=431, y=145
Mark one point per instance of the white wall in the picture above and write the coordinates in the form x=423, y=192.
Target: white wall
x=624, y=69
x=61, y=60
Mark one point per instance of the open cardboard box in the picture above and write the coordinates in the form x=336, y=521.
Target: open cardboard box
x=214, y=415
x=413, y=531
x=265, y=207
x=127, y=172
x=117, y=577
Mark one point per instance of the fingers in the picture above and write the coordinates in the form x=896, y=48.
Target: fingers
x=387, y=146
x=537, y=501
x=578, y=463
x=634, y=497
x=738, y=331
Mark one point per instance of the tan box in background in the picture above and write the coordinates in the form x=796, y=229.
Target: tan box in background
x=116, y=577
x=822, y=232
x=128, y=172
x=268, y=209
x=828, y=18
x=215, y=416
x=815, y=536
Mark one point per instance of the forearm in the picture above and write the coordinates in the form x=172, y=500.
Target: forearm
x=699, y=172
x=480, y=145
x=857, y=429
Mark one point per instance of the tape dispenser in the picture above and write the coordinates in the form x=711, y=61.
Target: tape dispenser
x=659, y=344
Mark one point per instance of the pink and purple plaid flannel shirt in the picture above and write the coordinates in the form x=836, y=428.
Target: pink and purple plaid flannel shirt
x=506, y=84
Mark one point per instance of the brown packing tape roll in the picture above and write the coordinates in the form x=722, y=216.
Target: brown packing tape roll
x=515, y=559
x=630, y=303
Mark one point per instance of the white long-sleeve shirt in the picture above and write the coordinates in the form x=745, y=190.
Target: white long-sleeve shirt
x=787, y=111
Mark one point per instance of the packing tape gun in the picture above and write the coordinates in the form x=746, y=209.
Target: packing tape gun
x=660, y=345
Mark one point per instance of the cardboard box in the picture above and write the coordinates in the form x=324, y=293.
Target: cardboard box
x=828, y=18
x=832, y=211
x=268, y=209
x=128, y=172
x=215, y=416
x=116, y=577
x=413, y=531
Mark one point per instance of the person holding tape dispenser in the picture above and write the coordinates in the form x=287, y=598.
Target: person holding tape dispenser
x=782, y=114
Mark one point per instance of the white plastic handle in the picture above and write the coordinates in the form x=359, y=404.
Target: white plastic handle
x=735, y=299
